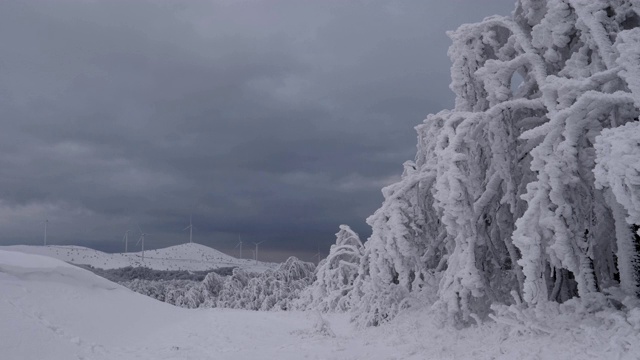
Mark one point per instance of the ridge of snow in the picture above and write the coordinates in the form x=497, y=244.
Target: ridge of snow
x=190, y=257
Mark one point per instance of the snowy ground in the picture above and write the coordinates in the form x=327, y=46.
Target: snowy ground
x=53, y=310
x=192, y=257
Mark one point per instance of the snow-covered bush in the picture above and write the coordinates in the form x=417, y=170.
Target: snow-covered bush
x=272, y=290
x=336, y=274
x=501, y=203
x=230, y=295
x=177, y=292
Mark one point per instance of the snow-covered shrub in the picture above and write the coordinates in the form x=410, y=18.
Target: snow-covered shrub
x=272, y=290
x=193, y=297
x=230, y=296
x=212, y=286
x=501, y=203
x=335, y=275
x=176, y=292
x=275, y=289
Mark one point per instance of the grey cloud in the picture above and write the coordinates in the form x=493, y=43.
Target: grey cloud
x=273, y=119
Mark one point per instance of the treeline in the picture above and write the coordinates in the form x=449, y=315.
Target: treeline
x=130, y=273
x=277, y=289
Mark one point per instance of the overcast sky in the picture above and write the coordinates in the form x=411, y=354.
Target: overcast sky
x=272, y=120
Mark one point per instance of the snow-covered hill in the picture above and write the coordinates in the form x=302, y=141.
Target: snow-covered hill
x=53, y=310
x=192, y=257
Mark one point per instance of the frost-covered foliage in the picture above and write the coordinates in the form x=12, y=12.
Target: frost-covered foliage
x=271, y=290
x=171, y=291
x=501, y=203
x=618, y=169
x=130, y=273
x=335, y=275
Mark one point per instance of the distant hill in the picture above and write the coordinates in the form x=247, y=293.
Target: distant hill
x=192, y=257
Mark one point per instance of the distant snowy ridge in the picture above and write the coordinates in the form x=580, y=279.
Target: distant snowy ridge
x=191, y=257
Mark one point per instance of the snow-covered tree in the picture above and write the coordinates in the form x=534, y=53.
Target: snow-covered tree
x=231, y=294
x=272, y=290
x=277, y=289
x=212, y=286
x=336, y=274
x=618, y=170
x=581, y=79
x=502, y=200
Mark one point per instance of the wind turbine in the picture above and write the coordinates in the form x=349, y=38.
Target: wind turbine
x=141, y=240
x=240, y=245
x=125, y=239
x=46, y=222
x=190, y=227
x=256, y=244
x=317, y=256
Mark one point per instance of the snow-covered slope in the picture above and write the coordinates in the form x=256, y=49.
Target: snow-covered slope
x=53, y=310
x=193, y=257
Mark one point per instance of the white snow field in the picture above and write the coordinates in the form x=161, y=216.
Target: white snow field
x=191, y=257
x=53, y=310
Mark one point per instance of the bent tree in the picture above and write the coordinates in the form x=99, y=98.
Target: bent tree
x=502, y=203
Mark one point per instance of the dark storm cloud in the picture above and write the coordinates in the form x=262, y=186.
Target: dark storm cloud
x=276, y=120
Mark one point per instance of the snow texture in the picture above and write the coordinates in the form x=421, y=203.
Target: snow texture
x=53, y=310
x=618, y=169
